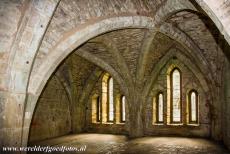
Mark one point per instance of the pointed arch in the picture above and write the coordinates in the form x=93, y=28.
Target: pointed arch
x=110, y=100
x=185, y=60
x=122, y=109
x=193, y=107
x=192, y=49
x=121, y=63
x=175, y=95
x=159, y=108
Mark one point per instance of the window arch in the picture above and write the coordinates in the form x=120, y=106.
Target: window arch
x=193, y=106
x=122, y=108
x=160, y=108
x=110, y=100
x=175, y=104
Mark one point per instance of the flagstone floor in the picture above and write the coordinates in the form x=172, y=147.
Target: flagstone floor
x=119, y=144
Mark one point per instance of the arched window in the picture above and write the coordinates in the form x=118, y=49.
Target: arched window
x=193, y=106
x=160, y=108
x=122, y=109
x=98, y=109
x=110, y=99
x=175, y=105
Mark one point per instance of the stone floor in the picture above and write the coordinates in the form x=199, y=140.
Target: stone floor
x=119, y=144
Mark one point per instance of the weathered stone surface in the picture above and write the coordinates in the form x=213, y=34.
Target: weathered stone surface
x=131, y=40
x=107, y=143
x=52, y=114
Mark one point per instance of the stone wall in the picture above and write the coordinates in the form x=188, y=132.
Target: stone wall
x=83, y=75
x=22, y=25
x=188, y=82
x=226, y=106
x=115, y=127
x=52, y=113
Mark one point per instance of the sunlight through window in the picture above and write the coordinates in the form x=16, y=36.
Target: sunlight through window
x=176, y=96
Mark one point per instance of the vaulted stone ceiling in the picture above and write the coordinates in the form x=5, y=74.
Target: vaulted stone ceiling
x=204, y=34
x=134, y=52
x=130, y=42
x=185, y=31
x=71, y=13
x=126, y=43
x=132, y=56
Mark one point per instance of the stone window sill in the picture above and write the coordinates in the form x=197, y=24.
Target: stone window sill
x=179, y=124
x=121, y=123
x=158, y=124
x=193, y=125
x=96, y=123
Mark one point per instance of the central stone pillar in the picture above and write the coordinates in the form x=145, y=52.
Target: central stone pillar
x=135, y=116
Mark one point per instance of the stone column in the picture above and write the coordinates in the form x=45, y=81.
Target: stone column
x=135, y=105
x=29, y=33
